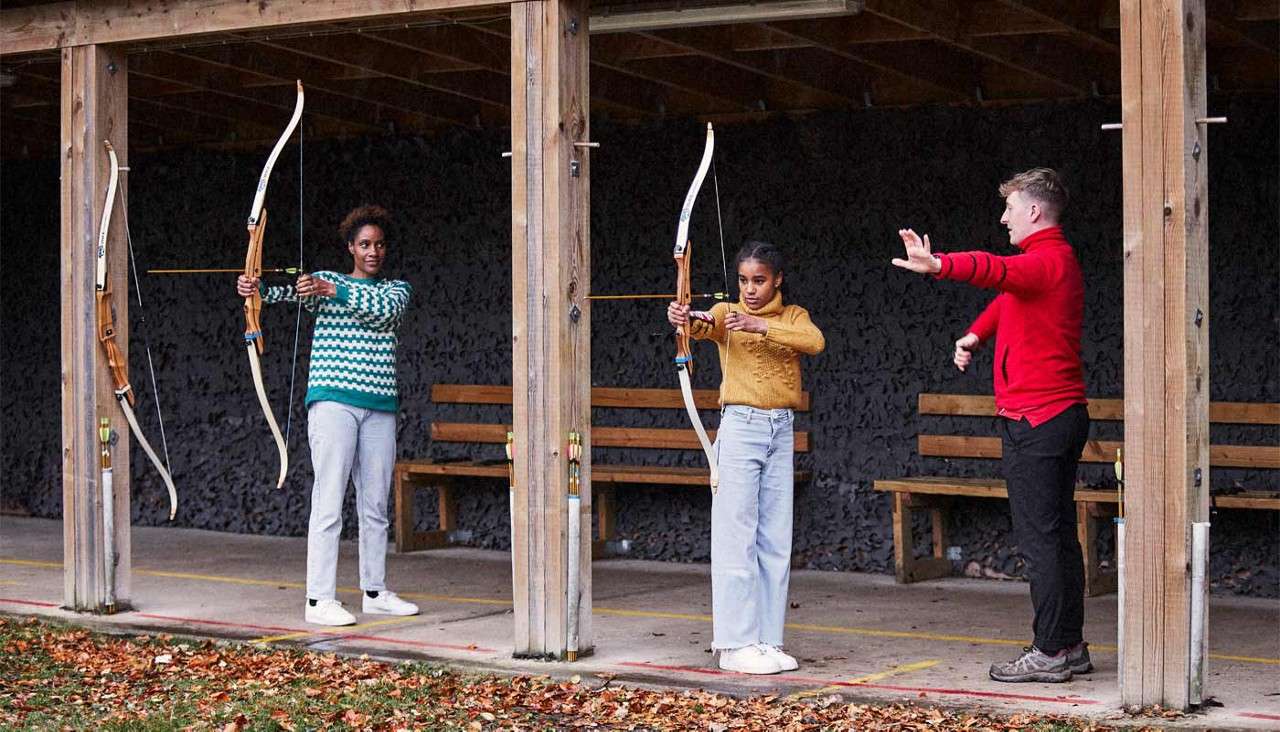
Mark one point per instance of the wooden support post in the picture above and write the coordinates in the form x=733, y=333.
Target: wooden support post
x=551, y=328
x=1166, y=343
x=94, y=108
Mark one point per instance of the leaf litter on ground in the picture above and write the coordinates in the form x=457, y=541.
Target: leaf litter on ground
x=57, y=676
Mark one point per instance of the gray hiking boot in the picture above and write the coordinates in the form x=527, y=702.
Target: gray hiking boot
x=1033, y=665
x=1078, y=658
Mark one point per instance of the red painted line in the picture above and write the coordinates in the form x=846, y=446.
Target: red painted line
x=1259, y=715
x=419, y=644
x=888, y=687
x=28, y=602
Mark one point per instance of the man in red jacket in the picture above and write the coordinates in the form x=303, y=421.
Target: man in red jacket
x=1039, y=386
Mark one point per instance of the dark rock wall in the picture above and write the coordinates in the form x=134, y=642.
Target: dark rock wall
x=832, y=189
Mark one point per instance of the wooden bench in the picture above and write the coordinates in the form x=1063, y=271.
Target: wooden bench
x=1093, y=506
x=444, y=475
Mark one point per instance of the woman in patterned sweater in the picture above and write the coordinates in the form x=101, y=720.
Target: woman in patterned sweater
x=352, y=402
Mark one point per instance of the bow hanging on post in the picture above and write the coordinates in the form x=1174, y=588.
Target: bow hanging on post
x=107, y=337
x=684, y=294
x=253, y=304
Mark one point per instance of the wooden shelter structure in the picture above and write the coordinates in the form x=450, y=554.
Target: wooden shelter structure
x=175, y=73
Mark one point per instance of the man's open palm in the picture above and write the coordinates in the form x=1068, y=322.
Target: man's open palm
x=919, y=254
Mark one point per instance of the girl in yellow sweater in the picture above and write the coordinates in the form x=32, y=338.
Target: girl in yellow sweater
x=760, y=342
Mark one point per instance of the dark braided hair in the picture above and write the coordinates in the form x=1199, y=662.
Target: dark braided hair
x=361, y=217
x=764, y=252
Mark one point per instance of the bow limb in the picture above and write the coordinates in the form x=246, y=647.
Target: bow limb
x=151, y=453
x=107, y=337
x=684, y=355
x=257, y=227
x=255, y=366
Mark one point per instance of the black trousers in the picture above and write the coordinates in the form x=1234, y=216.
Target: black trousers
x=1040, y=470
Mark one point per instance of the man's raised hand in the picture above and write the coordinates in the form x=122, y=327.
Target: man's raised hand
x=919, y=255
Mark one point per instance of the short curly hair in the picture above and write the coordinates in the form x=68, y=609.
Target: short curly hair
x=1043, y=185
x=362, y=216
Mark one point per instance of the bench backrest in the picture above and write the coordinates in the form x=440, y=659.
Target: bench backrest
x=601, y=436
x=1097, y=451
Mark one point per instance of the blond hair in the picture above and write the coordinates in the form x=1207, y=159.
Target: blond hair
x=1042, y=184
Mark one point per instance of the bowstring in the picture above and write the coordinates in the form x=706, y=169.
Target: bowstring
x=724, y=264
x=142, y=320
x=297, y=321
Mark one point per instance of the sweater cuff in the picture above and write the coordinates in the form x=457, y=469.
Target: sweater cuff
x=341, y=293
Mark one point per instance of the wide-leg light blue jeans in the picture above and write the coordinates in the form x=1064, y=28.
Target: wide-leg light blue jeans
x=751, y=520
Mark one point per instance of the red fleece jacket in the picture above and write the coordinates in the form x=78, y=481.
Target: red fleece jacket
x=1036, y=320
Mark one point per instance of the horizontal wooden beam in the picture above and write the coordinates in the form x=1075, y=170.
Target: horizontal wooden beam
x=646, y=438
x=980, y=405
x=1095, y=451
x=601, y=396
x=80, y=22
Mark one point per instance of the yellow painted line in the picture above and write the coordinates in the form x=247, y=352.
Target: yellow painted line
x=31, y=563
x=870, y=678
x=915, y=634
x=301, y=586
x=650, y=614
x=1245, y=659
x=339, y=630
x=617, y=612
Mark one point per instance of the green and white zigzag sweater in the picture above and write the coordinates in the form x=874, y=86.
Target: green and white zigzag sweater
x=353, y=348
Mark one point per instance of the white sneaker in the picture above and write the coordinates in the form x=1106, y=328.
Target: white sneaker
x=786, y=662
x=748, y=660
x=388, y=603
x=328, y=612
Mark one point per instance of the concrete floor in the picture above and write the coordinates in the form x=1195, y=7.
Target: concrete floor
x=857, y=635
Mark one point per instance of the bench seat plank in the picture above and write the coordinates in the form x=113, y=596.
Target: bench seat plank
x=1239, y=500
x=977, y=488
x=459, y=468
x=627, y=474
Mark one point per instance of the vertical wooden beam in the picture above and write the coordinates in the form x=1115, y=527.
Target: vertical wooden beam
x=94, y=108
x=551, y=329
x=1166, y=338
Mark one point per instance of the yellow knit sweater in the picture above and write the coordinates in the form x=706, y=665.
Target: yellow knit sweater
x=762, y=371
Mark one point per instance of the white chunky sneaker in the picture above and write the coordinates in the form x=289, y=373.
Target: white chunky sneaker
x=328, y=612
x=388, y=603
x=748, y=660
x=786, y=662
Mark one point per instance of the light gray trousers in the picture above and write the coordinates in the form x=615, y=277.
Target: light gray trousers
x=357, y=444
x=751, y=520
